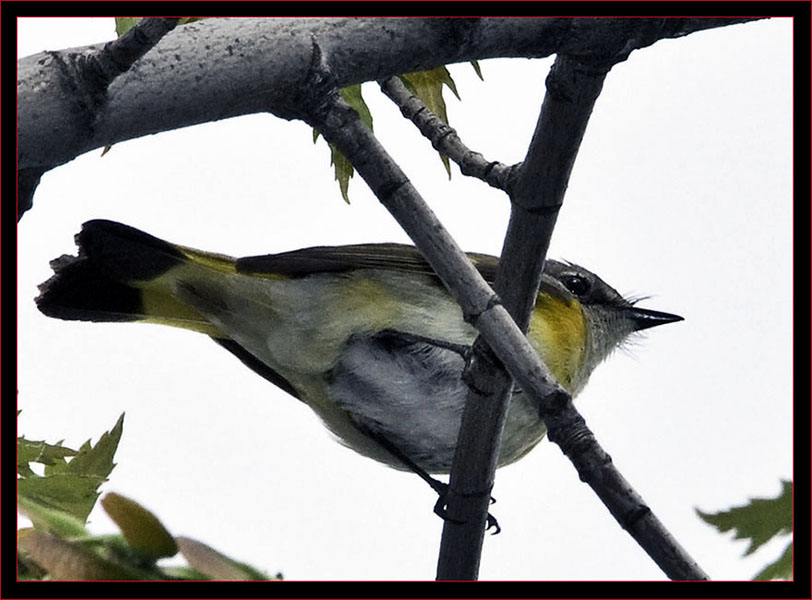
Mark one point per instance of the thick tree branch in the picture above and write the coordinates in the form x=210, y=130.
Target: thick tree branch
x=220, y=68
x=87, y=77
x=324, y=109
x=536, y=192
x=116, y=57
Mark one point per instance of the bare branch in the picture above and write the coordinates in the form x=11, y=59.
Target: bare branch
x=88, y=76
x=154, y=93
x=538, y=193
x=118, y=56
x=444, y=138
x=536, y=196
x=324, y=109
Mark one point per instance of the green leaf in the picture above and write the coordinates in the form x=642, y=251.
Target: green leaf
x=342, y=167
x=140, y=527
x=72, y=494
x=780, y=569
x=29, y=451
x=343, y=171
x=124, y=24
x=428, y=86
x=475, y=64
x=67, y=486
x=352, y=96
x=759, y=521
x=59, y=522
x=98, y=460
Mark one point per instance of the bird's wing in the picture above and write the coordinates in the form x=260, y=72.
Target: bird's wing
x=319, y=259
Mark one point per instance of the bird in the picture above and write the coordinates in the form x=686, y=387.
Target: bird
x=366, y=335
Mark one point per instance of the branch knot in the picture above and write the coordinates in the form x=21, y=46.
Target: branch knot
x=317, y=95
x=471, y=317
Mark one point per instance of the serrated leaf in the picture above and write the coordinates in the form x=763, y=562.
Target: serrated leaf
x=70, y=486
x=780, y=569
x=343, y=171
x=428, y=86
x=446, y=164
x=352, y=96
x=29, y=451
x=65, y=492
x=140, y=527
x=98, y=460
x=758, y=521
x=24, y=471
x=213, y=564
x=65, y=560
x=341, y=166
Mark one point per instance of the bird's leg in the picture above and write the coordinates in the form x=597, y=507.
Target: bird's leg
x=437, y=485
x=412, y=338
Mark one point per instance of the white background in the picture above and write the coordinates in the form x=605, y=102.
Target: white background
x=681, y=190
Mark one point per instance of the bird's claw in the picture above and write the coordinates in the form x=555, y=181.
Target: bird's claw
x=441, y=510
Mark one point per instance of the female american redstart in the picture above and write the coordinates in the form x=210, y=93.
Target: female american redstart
x=366, y=335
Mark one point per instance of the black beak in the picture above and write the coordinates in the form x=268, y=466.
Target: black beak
x=644, y=318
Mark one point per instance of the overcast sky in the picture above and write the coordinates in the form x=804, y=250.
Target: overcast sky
x=682, y=191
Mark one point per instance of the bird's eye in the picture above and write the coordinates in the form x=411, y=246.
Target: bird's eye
x=576, y=284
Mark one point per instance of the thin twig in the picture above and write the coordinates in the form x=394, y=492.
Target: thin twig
x=444, y=138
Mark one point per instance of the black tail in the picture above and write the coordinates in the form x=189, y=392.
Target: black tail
x=97, y=285
x=117, y=268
